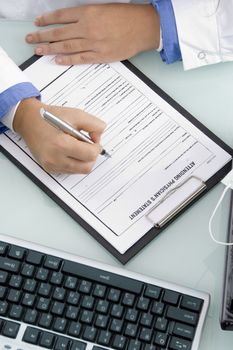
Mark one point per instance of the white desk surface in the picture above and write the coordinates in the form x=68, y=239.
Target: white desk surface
x=184, y=252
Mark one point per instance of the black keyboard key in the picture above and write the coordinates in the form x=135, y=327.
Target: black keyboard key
x=45, y=320
x=42, y=274
x=146, y=319
x=158, y=308
x=31, y=316
x=153, y=292
x=184, y=331
x=60, y=325
x=74, y=329
x=161, y=339
x=100, y=276
x=104, y=338
x=43, y=304
x=135, y=345
x=78, y=345
x=30, y=286
x=171, y=297
x=101, y=321
x=161, y=324
x=72, y=312
x=28, y=300
x=117, y=311
x=34, y=258
x=114, y=295
x=131, y=315
x=28, y=270
x=3, y=308
x=1, y=323
x=119, y=342
x=131, y=330
x=145, y=334
x=98, y=348
x=143, y=304
x=88, y=302
x=62, y=343
x=31, y=335
x=71, y=283
x=3, y=277
x=99, y=291
x=89, y=333
x=44, y=289
x=10, y=329
x=87, y=317
x=102, y=306
x=188, y=317
x=191, y=303
x=128, y=299
x=59, y=294
x=179, y=344
x=2, y=292
x=3, y=248
x=16, y=252
x=56, y=278
x=150, y=347
x=116, y=325
x=73, y=298
x=16, y=312
x=14, y=296
x=85, y=287
x=58, y=308
x=47, y=340
x=16, y=281
x=9, y=265
x=52, y=263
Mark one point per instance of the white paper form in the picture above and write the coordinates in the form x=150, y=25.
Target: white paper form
x=153, y=148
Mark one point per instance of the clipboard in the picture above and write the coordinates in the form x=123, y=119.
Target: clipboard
x=175, y=209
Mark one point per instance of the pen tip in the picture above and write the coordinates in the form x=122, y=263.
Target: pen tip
x=106, y=154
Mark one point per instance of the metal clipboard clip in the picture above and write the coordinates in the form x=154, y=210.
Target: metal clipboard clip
x=185, y=193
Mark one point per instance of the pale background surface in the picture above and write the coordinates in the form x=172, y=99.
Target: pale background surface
x=184, y=252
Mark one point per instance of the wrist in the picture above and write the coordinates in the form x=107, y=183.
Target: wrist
x=149, y=34
x=25, y=113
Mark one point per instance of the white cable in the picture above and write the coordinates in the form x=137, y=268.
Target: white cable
x=213, y=214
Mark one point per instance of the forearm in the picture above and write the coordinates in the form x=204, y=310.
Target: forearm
x=14, y=87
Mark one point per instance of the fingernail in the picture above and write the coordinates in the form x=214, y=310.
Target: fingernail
x=58, y=60
x=39, y=50
x=37, y=21
x=29, y=38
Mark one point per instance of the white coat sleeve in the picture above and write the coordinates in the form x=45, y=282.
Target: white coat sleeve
x=205, y=31
x=14, y=87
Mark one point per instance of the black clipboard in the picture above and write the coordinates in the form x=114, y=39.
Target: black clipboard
x=153, y=232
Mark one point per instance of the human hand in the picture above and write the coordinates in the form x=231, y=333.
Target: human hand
x=97, y=33
x=54, y=150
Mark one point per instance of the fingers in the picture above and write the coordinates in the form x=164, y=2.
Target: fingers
x=70, y=31
x=79, y=150
x=68, y=15
x=67, y=166
x=70, y=156
x=80, y=119
x=64, y=47
x=88, y=57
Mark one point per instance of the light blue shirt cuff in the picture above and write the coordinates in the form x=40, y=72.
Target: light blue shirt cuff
x=171, y=49
x=13, y=95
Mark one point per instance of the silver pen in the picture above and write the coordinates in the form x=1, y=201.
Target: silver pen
x=68, y=129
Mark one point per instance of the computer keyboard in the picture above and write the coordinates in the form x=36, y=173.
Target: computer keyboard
x=54, y=300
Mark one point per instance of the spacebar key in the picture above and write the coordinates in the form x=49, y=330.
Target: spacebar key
x=101, y=276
